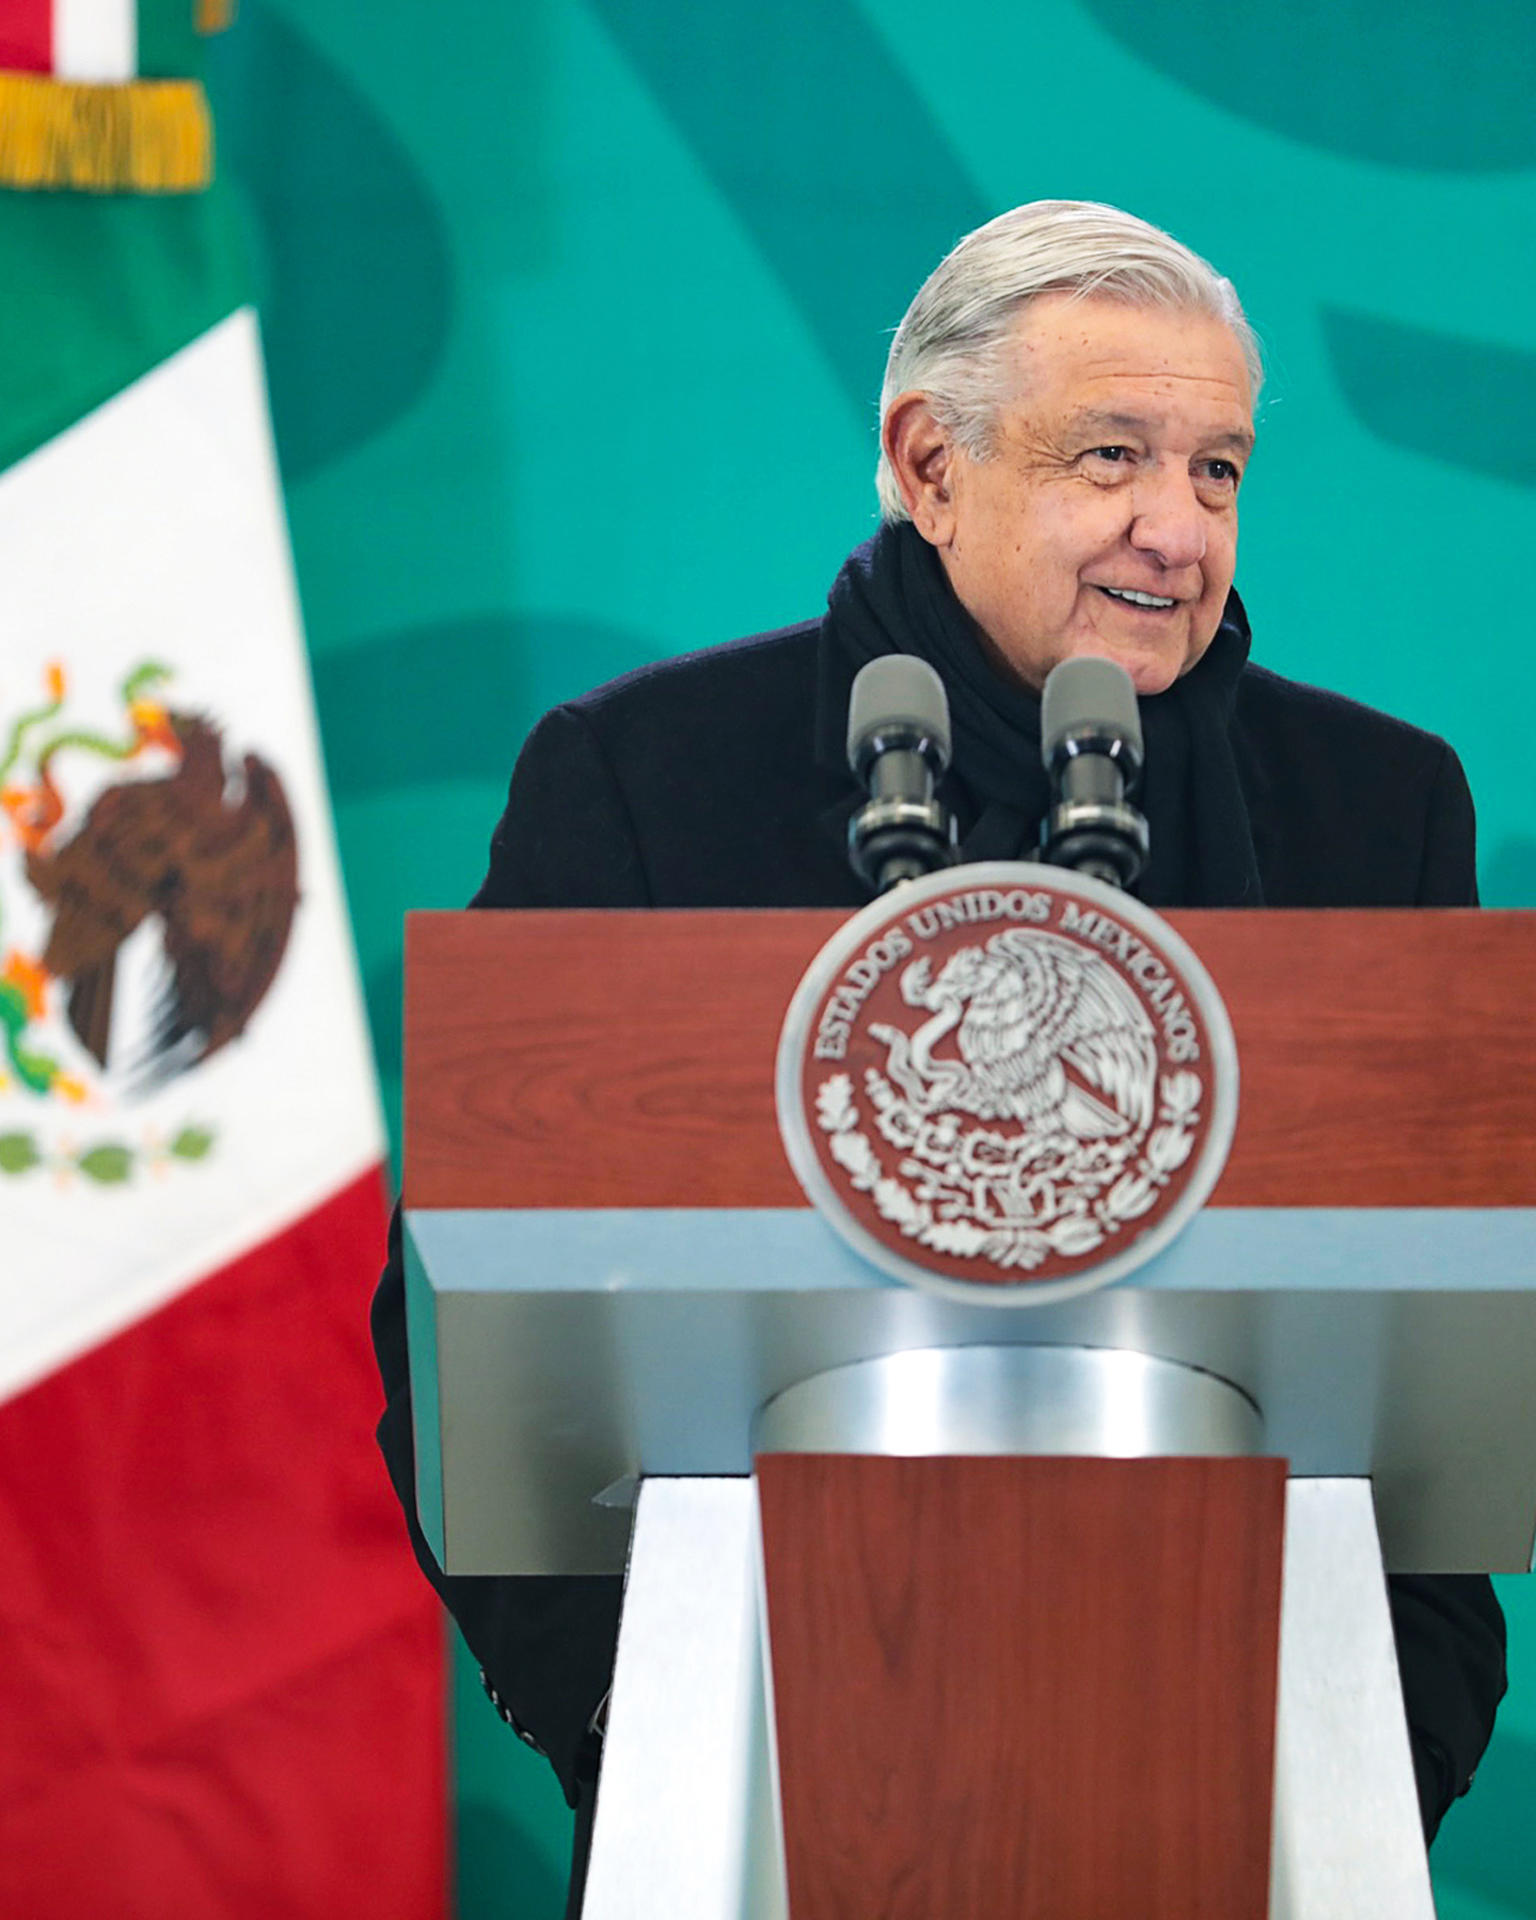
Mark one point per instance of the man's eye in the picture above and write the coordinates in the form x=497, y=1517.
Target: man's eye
x=1112, y=453
x=1226, y=471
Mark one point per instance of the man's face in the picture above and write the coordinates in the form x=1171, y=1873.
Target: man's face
x=1114, y=474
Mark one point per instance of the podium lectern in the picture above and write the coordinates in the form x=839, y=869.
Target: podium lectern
x=1025, y=1569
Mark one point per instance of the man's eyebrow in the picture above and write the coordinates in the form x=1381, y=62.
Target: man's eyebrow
x=1097, y=420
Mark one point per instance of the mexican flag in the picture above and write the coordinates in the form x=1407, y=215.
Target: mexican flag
x=223, y=1690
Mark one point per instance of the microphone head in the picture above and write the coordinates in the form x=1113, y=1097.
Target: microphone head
x=1088, y=700
x=898, y=701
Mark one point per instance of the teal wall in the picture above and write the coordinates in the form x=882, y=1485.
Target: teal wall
x=575, y=313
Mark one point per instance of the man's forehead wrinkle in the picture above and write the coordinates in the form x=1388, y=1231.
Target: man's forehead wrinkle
x=1089, y=364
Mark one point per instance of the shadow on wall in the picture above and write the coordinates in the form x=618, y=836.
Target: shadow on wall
x=409, y=718
x=799, y=107
x=352, y=247
x=1297, y=71
x=1468, y=403
x=497, y=1863
x=384, y=991
x=396, y=722
x=1508, y=877
x=1481, y=1851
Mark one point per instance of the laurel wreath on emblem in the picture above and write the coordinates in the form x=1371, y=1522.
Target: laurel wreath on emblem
x=964, y=1199
x=1005, y=1154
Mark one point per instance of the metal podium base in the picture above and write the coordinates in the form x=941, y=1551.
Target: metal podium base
x=687, y=1806
x=1347, y=1837
x=686, y=1818
x=687, y=1821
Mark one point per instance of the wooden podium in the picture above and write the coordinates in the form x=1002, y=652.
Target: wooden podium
x=1024, y=1661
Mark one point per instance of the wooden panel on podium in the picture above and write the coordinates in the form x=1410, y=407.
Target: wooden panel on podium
x=626, y=1059
x=1103, y=1748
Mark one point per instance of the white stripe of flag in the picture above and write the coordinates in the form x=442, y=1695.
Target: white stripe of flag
x=95, y=40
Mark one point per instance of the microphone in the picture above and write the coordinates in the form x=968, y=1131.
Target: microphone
x=1090, y=741
x=899, y=747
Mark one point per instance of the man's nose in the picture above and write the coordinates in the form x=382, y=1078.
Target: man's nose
x=1169, y=520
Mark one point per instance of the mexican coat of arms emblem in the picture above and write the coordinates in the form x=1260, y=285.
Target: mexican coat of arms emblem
x=1007, y=1079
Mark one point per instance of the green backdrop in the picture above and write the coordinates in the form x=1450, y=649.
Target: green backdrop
x=575, y=315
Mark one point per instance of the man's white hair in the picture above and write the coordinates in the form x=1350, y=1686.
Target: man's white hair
x=953, y=342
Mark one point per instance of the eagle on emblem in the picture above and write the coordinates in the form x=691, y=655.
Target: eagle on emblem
x=208, y=852
x=1046, y=1034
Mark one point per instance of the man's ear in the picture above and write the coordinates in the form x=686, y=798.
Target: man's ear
x=923, y=458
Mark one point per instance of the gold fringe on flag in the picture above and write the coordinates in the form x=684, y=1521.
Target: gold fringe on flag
x=213, y=16
x=146, y=136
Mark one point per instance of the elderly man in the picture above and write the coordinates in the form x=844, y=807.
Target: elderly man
x=1065, y=423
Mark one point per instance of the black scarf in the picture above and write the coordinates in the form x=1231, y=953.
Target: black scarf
x=893, y=596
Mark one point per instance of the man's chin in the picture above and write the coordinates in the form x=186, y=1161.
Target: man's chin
x=1153, y=664
x=1155, y=676
x=1153, y=660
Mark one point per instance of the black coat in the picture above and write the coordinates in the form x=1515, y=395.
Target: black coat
x=719, y=780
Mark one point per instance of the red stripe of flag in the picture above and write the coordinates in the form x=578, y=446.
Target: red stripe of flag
x=222, y=1672
x=26, y=35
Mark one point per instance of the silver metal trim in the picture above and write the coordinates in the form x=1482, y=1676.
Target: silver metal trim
x=1099, y=738
x=1105, y=1402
